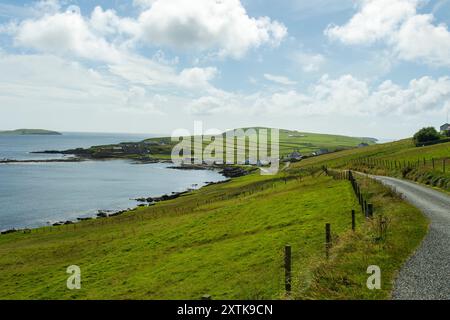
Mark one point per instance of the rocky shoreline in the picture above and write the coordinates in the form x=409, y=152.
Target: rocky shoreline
x=140, y=154
x=226, y=171
x=101, y=214
x=81, y=155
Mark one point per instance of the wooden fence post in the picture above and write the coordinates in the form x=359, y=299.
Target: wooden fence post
x=287, y=268
x=443, y=165
x=365, y=208
x=353, y=220
x=432, y=161
x=327, y=239
x=370, y=210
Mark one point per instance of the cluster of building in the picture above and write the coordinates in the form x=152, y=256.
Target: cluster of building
x=297, y=156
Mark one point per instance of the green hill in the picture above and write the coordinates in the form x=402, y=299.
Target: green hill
x=23, y=132
x=290, y=141
x=429, y=164
x=227, y=240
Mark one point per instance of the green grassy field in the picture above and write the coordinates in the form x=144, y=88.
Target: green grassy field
x=224, y=240
x=342, y=277
x=227, y=240
x=289, y=141
x=429, y=165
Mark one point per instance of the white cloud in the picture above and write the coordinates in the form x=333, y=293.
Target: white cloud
x=160, y=57
x=141, y=71
x=327, y=96
x=124, y=80
x=209, y=105
x=65, y=33
x=197, y=77
x=108, y=23
x=375, y=20
x=419, y=39
x=348, y=95
x=207, y=25
x=220, y=27
x=422, y=95
x=104, y=38
x=343, y=96
x=55, y=81
x=140, y=100
x=279, y=79
x=396, y=23
x=225, y=103
x=309, y=62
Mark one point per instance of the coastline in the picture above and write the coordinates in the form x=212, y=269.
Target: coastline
x=142, y=202
x=79, y=155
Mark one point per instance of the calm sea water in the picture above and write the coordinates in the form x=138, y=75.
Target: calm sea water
x=33, y=195
x=19, y=147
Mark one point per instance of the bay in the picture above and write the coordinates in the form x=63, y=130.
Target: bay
x=36, y=194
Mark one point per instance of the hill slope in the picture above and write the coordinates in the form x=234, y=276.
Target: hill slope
x=291, y=141
x=225, y=240
x=428, y=165
x=161, y=148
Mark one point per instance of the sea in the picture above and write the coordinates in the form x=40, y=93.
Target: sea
x=39, y=194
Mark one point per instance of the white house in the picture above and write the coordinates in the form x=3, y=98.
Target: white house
x=445, y=128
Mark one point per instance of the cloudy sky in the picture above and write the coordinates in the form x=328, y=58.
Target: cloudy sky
x=367, y=68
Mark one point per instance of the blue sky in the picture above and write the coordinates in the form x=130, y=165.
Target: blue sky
x=365, y=68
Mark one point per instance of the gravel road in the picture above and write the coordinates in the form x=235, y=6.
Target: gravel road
x=426, y=275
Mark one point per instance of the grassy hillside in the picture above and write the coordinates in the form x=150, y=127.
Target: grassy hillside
x=310, y=142
x=428, y=165
x=290, y=141
x=344, y=276
x=225, y=240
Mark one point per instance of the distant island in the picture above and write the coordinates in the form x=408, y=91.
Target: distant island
x=26, y=132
